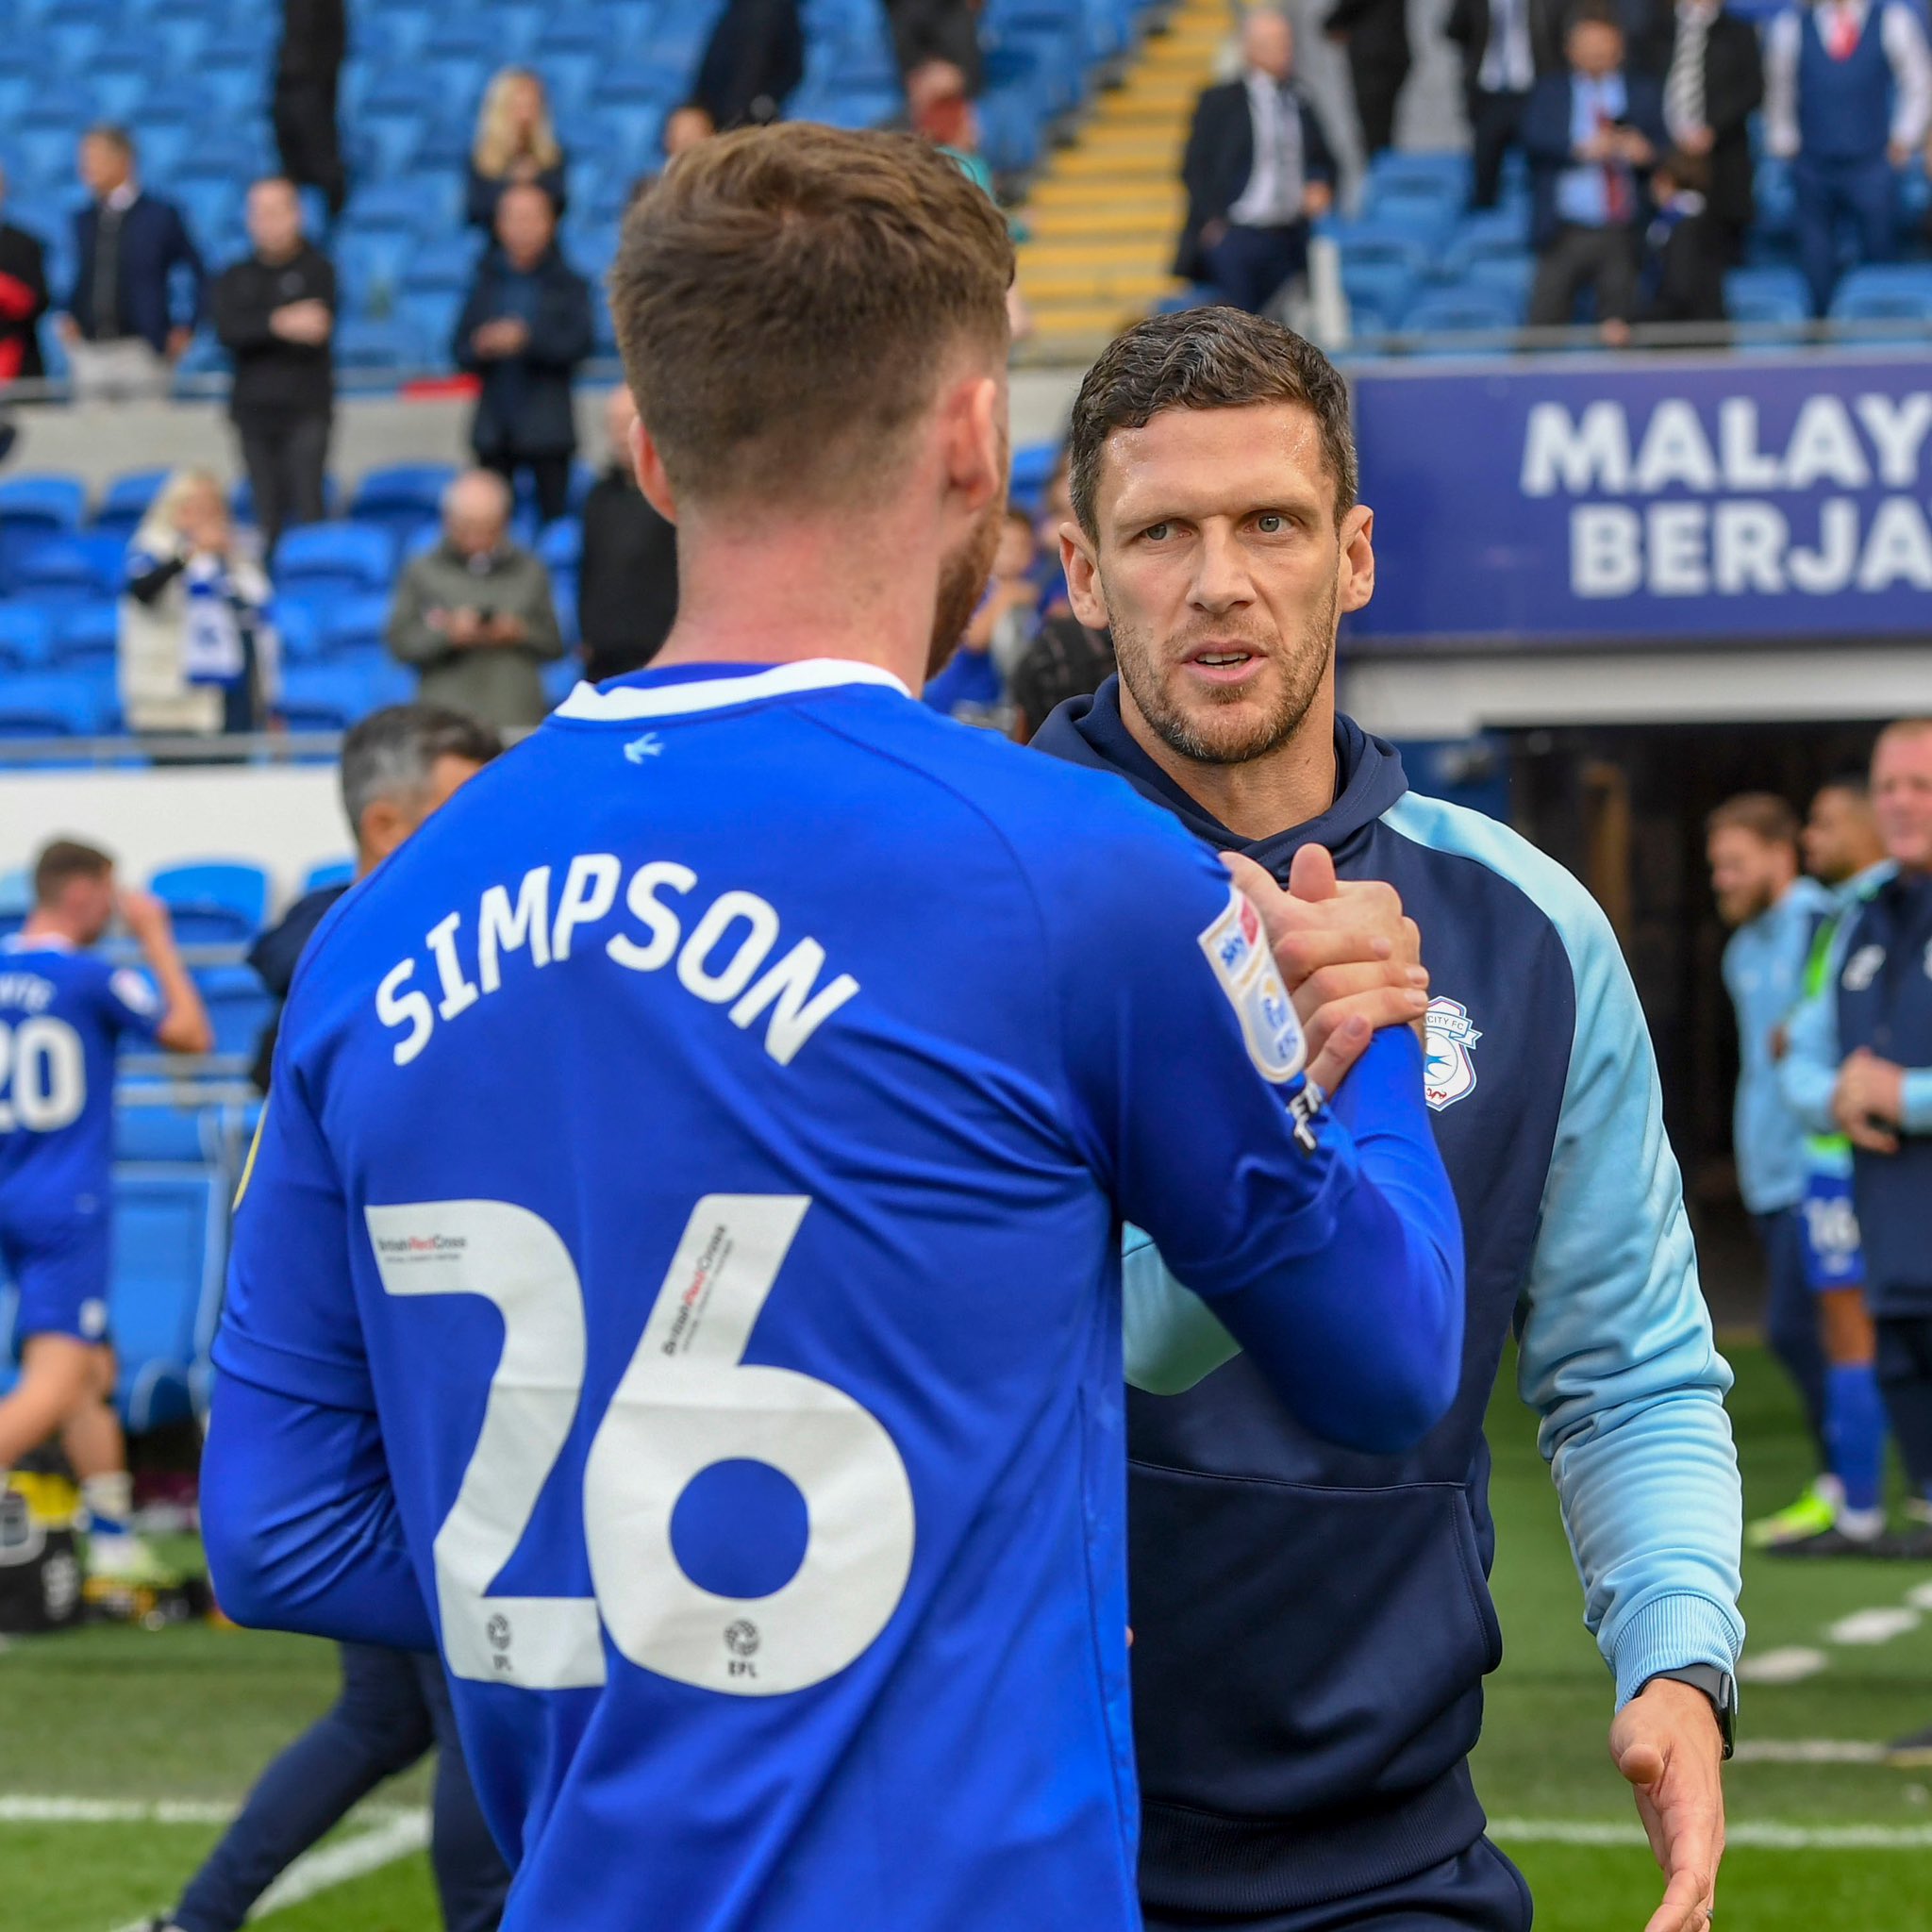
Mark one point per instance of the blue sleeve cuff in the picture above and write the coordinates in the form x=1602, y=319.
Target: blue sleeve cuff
x=1670, y=1632
x=1917, y=1101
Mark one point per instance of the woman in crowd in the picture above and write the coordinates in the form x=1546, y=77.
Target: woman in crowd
x=198, y=655
x=515, y=142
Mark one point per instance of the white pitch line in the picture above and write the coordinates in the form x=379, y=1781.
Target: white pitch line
x=31, y=1808
x=1758, y=1833
x=1790, y=1665
x=1808, y=1750
x=352, y=1858
x=1872, y=1627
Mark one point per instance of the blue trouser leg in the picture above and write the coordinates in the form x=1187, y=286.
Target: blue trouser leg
x=1817, y=221
x=471, y=1876
x=1790, y=1316
x=1249, y=265
x=1905, y=1379
x=378, y=1727
x=1870, y=191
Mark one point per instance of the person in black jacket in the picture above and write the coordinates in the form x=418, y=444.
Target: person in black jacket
x=1375, y=34
x=926, y=30
x=274, y=311
x=628, y=574
x=754, y=61
x=309, y=64
x=524, y=330
x=23, y=300
x=122, y=328
x=1685, y=248
x=1712, y=73
x=1508, y=46
x=1257, y=170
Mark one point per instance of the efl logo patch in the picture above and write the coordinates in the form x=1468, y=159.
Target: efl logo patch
x=1237, y=949
x=134, y=993
x=1862, y=968
x=1448, y=1073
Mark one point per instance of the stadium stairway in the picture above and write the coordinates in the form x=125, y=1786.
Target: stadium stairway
x=1103, y=215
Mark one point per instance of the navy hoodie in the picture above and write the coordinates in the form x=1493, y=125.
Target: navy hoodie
x=1312, y=1626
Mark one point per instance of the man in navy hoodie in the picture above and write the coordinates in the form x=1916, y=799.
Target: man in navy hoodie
x=1312, y=1626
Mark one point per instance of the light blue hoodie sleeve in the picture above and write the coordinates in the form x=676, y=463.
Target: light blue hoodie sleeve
x=1807, y=1074
x=1617, y=1354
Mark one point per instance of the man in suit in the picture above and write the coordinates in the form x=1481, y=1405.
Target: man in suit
x=1848, y=96
x=524, y=330
x=1713, y=82
x=1257, y=170
x=1376, y=35
x=1507, y=45
x=309, y=64
x=122, y=329
x=1592, y=136
x=23, y=300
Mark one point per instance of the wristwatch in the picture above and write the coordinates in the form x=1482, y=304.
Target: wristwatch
x=1717, y=1685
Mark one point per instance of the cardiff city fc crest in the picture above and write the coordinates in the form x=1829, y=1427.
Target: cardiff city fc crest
x=1448, y=1073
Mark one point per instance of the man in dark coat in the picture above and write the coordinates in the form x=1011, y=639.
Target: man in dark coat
x=754, y=61
x=274, y=311
x=1713, y=80
x=628, y=574
x=23, y=300
x=1508, y=46
x=524, y=331
x=315, y=37
x=1257, y=170
x=1375, y=34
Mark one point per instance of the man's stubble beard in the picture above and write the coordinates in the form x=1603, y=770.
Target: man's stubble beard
x=1301, y=684
x=963, y=577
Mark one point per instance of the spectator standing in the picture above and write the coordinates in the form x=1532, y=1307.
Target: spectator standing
x=628, y=574
x=1848, y=95
x=1507, y=45
x=308, y=66
x=1592, y=135
x=1861, y=1064
x=275, y=312
x=752, y=64
x=1773, y=913
x=971, y=687
x=1257, y=170
x=122, y=328
x=1713, y=80
x=1065, y=661
x=198, y=654
x=516, y=146
x=1685, y=250
x=475, y=615
x=524, y=329
x=1376, y=35
x=926, y=30
x=23, y=300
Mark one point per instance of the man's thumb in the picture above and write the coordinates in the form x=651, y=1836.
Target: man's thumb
x=1312, y=875
x=1642, y=1763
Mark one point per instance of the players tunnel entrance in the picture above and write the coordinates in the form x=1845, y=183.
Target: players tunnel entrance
x=1624, y=807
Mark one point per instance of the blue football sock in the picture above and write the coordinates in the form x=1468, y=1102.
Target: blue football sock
x=1855, y=1432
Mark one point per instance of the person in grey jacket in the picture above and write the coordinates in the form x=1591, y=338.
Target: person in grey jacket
x=475, y=615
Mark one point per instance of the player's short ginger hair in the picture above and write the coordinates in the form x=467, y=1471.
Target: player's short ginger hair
x=1206, y=358
x=1764, y=814
x=787, y=300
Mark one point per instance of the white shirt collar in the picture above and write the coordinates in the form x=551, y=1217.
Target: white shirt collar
x=125, y=196
x=40, y=942
x=628, y=701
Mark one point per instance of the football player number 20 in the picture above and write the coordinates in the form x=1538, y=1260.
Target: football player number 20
x=686, y=1400
x=43, y=1076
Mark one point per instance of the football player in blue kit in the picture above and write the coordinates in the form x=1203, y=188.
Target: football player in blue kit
x=64, y=1015
x=680, y=1268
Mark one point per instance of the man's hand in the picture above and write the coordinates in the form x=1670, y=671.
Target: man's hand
x=67, y=328
x=1666, y=1742
x=1897, y=153
x=1351, y=961
x=463, y=627
x=178, y=340
x=308, y=321
x=145, y=917
x=504, y=628
x=1318, y=197
x=1869, y=1093
x=1213, y=233
x=1697, y=140
x=495, y=340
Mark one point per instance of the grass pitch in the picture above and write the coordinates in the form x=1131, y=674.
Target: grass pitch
x=184, y=1719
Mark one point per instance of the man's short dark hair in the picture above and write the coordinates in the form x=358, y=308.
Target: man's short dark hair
x=113, y=134
x=1593, y=13
x=390, y=753
x=63, y=862
x=1762, y=814
x=1853, y=784
x=1206, y=358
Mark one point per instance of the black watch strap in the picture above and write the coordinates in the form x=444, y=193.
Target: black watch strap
x=1719, y=1687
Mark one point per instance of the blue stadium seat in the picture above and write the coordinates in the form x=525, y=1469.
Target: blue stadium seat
x=561, y=546
x=561, y=677
x=392, y=346
x=48, y=707
x=26, y=636
x=331, y=872
x=402, y=496
x=1470, y=310
x=215, y=902
x=1895, y=294
x=1767, y=295
x=238, y=1007
x=330, y=697
x=299, y=629
x=168, y=1254
x=1442, y=171
x=353, y=625
x=87, y=635
x=447, y=264
x=149, y=1127
x=64, y=569
x=45, y=502
x=343, y=558
x=431, y=314
x=125, y=500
